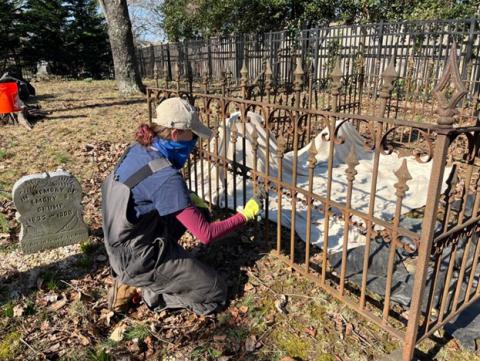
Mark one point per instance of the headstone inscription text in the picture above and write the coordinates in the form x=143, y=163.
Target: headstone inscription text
x=49, y=210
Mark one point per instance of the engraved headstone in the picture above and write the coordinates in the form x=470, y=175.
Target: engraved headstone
x=49, y=211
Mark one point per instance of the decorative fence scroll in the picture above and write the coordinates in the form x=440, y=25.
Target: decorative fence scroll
x=353, y=199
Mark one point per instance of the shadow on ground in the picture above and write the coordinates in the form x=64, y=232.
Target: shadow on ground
x=125, y=102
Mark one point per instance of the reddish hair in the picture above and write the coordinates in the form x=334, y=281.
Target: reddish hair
x=145, y=134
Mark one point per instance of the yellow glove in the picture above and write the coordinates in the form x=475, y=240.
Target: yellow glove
x=197, y=201
x=252, y=209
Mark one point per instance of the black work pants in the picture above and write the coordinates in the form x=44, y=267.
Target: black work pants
x=182, y=281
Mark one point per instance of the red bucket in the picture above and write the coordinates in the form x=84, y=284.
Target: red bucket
x=8, y=98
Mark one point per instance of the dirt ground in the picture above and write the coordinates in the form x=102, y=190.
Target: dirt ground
x=53, y=304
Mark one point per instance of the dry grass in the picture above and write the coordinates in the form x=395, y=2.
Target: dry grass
x=81, y=112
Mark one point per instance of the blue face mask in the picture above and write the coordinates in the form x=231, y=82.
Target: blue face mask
x=176, y=152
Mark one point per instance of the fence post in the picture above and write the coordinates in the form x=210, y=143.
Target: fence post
x=162, y=62
x=336, y=85
x=155, y=74
x=152, y=60
x=268, y=80
x=209, y=50
x=186, y=60
x=446, y=111
x=169, y=63
x=298, y=81
x=244, y=79
x=315, y=55
x=177, y=76
x=224, y=83
x=361, y=67
x=205, y=82
x=165, y=74
x=238, y=59
x=190, y=77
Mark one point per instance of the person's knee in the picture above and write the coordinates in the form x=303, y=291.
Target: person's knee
x=219, y=291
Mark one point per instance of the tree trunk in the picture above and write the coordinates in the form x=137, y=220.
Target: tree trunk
x=123, y=51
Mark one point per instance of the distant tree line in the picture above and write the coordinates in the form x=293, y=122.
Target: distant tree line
x=71, y=35
x=187, y=19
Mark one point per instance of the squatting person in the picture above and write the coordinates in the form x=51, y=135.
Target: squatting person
x=147, y=207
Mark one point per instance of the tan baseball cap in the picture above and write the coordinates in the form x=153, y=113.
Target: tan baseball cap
x=178, y=113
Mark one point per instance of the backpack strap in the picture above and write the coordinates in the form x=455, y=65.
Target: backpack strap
x=146, y=171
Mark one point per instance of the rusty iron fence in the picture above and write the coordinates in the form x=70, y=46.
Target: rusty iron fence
x=419, y=47
x=442, y=252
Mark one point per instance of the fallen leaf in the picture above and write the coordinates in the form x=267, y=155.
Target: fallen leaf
x=234, y=312
x=150, y=346
x=45, y=325
x=58, y=305
x=311, y=331
x=243, y=309
x=118, y=332
x=248, y=287
x=54, y=348
x=85, y=341
x=219, y=338
x=133, y=346
x=339, y=325
x=286, y=358
x=348, y=329
x=18, y=310
x=281, y=303
x=270, y=318
x=106, y=314
x=169, y=334
x=250, y=343
x=51, y=297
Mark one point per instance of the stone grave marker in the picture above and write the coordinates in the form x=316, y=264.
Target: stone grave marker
x=43, y=70
x=49, y=210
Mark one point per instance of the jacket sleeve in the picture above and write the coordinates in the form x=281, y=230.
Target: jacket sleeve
x=205, y=232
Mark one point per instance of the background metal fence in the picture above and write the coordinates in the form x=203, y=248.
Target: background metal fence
x=420, y=50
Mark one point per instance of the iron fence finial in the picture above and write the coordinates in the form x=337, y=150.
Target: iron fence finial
x=312, y=154
x=298, y=75
x=336, y=76
x=389, y=76
x=352, y=162
x=177, y=72
x=205, y=82
x=449, y=90
x=244, y=78
x=281, y=145
x=165, y=72
x=268, y=76
x=403, y=176
x=244, y=72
